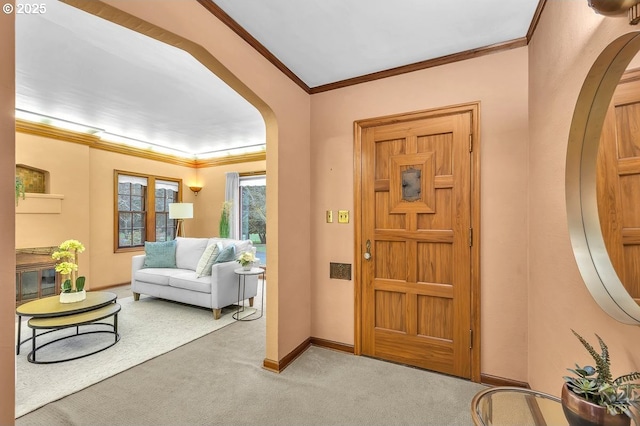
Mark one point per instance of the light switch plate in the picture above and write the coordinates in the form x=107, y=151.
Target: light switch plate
x=343, y=216
x=329, y=216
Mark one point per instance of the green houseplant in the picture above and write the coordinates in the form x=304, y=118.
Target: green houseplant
x=224, y=227
x=596, y=386
x=19, y=189
x=67, y=266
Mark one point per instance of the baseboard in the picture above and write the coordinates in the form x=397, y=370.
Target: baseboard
x=278, y=366
x=501, y=381
x=330, y=344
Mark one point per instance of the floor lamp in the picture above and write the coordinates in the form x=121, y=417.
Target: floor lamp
x=180, y=211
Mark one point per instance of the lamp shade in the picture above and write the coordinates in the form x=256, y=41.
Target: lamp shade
x=180, y=210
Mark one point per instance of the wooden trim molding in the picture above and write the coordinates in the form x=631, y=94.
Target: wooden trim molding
x=244, y=34
x=536, y=19
x=278, y=366
x=330, y=344
x=461, y=56
x=488, y=379
x=93, y=141
x=430, y=63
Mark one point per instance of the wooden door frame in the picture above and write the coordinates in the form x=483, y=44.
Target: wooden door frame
x=474, y=109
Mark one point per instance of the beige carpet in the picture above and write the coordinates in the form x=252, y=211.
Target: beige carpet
x=148, y=328
x=218, y=379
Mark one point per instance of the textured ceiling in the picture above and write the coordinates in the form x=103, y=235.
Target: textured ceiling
x=74, y=66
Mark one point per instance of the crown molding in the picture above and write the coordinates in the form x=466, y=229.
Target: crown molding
x=215, y=10
x=244, y=34
x=417, y=66
x=93, y=141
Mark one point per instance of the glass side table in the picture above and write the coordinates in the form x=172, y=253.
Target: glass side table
x=506, y=405
x=242, y=276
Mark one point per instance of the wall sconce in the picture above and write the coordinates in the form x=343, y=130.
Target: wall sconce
x=195, y=189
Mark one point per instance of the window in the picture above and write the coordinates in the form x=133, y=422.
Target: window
x=135, y=223
x=253, y=213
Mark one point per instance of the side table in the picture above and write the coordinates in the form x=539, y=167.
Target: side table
x=242, y=276
x=506, y=405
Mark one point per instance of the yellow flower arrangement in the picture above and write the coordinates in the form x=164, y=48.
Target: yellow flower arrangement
x=246, y=258
x=67, y=255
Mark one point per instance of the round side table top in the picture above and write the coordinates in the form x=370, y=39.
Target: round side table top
x=506, y=405
x=252, y=271
x=51, y=306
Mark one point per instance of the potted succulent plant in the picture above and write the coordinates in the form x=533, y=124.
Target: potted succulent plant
x=594, y=397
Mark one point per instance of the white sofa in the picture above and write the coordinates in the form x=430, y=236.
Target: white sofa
x=181, y=284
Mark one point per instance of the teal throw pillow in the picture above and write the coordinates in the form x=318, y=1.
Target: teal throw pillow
x=206, y=260
x=160, y=254
x=227, y=254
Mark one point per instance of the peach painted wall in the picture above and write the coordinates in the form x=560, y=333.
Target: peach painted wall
x=85, y=178
x=109, y=268
x=69, y=176
x=566, y=42
x=288, y=154
x=208, y=204
x=7, y=221
x=499, y=82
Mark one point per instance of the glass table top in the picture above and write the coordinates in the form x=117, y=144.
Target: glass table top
x=505, y=405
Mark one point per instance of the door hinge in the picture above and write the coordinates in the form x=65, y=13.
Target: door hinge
x=470, y=237
x=470, y=339
x=470, y=142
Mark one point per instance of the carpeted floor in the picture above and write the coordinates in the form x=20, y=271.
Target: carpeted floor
x=218, y=380
x=148, y=328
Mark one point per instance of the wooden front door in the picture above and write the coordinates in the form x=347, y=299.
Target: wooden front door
x=417, y=267
x=618, y=182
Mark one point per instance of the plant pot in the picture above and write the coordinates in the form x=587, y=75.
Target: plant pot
x=247, y=267
x=580, y=412
x=73, y=297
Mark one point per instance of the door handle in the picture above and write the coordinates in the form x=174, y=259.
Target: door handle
x=367, y=254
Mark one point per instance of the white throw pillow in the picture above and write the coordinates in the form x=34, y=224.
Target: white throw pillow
x=188, y=251
x=206, y=260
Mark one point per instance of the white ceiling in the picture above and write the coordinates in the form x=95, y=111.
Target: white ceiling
x=74, y=66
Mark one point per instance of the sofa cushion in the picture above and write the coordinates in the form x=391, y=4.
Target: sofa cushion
x=158, y=276
x=189, y=281
x=160, y=254
x=241, y=245
x=206, y=260
x=227, y=254
x=189, y=251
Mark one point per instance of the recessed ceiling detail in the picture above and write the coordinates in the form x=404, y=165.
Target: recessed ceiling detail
x=76, y=67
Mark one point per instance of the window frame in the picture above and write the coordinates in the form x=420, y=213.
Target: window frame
x=149, y=207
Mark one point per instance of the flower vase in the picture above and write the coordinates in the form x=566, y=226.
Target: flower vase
x=73, y=297
x=246, y=267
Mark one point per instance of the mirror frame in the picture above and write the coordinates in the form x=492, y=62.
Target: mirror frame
x=589, y=249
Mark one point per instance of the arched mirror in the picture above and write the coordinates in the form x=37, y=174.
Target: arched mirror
x=603, y=181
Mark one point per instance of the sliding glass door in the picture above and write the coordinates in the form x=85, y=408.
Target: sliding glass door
x=253, y=213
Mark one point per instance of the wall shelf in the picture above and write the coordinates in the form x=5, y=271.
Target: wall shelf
x=40, y=204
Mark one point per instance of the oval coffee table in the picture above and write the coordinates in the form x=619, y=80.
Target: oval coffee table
x=51, y=315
